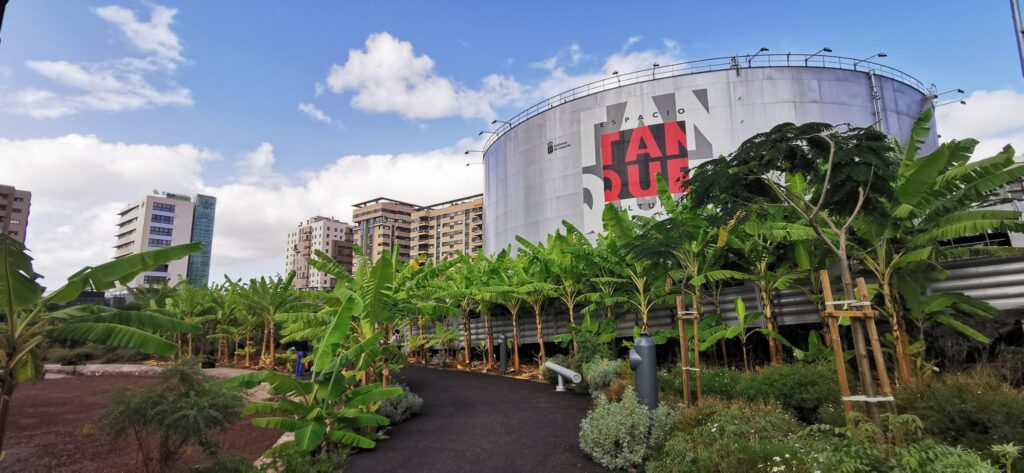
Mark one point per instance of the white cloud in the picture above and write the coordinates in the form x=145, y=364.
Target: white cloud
x=388, y=76
x=111, y=86
x=78, y=183
x=993, y=117
x=314, y=113
x=154, y=36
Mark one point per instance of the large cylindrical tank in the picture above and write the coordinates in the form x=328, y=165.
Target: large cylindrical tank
x=564, y=158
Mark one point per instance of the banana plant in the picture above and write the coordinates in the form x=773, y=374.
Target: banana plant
x=334, y=409
x=742, y=331
x=28, y=322
x=938, y=197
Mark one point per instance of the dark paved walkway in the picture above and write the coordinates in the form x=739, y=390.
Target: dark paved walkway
x=482, y=423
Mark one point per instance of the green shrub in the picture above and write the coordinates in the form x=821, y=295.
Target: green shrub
x=623, y=434
x=1009, y=365
x=551, y=376
x=897, y=445
x=400, y=408
x=298, y=462
x=179, y=411
x=715, y=382
x=973, y=410
x=58, y=355
x=720, y=436
x=125, y=355
x=803, y=389
x=600, y=373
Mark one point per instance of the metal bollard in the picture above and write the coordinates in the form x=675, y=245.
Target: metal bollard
x=562, y=373
x=502, y=355
x=643, y=360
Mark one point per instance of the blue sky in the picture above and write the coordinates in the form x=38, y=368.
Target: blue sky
x=206, y=96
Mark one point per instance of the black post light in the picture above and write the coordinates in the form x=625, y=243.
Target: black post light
x=750, y=58
x=868, y=59
x=822, y=50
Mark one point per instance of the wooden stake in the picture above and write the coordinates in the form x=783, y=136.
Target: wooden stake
x=696, y=355
x=837, y=344
x=683, y=349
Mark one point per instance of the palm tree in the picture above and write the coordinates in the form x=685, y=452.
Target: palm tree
x=28, y=321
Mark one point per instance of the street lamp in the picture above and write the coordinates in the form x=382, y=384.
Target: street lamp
x=470, y=164
x=750, y=57
x=472, y=151
x=868, y=59
x=485, y=131
x=935, y=96
x=501, y=121
x=825, y=50
x=961, y=102
x=617, y=78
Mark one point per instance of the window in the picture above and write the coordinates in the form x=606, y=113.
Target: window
x=158, y=243
x=15, y=221
x=163, y=207
x=162, y=219
x=154, y=280
x=161, y=231
x=19, y=199
x=12, y=233
x=160, y=269
x=16, y=210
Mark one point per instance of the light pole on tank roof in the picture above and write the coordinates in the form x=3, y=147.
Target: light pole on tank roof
x=868, y=59
x=750, y=58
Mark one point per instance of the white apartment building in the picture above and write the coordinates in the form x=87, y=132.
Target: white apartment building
x=158, y=221
x=328, y=235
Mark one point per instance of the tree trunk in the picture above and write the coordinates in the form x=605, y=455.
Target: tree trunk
x=774, y=347
x=490, y=340
x=248, y=349
x=515, y=342
x=6, y=395
x=572, y=321
x=273, y=346
x=725, y=353
x=190, y=345
x=540, y=333
x=903, y=371
x=746, y=362
x=467, y=340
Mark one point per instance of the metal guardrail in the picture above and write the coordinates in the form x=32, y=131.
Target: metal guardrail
x=705, y=65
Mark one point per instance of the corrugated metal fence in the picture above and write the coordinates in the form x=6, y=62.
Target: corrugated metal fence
x=999, y=281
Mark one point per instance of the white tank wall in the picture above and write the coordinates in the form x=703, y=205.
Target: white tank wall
x=529, y=192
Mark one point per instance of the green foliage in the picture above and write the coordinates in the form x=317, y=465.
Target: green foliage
x=599, y=373
x=593, y=340
x=164, y=420
x=803, y=389
x=715, y=382
x=623, y=434
x=401, y=407
x=1009, y=365
x=725, y=437
x=972, y=410
x=897, y=445
x=94, y=353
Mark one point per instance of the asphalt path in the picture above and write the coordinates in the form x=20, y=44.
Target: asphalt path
x=482, y=423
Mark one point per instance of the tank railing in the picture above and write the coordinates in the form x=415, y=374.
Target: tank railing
x=705, y=65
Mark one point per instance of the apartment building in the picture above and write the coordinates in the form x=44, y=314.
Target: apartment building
x=14, y=207
x=163, y=220
x=325, y=234
x=383, y=224
x=440, y=230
